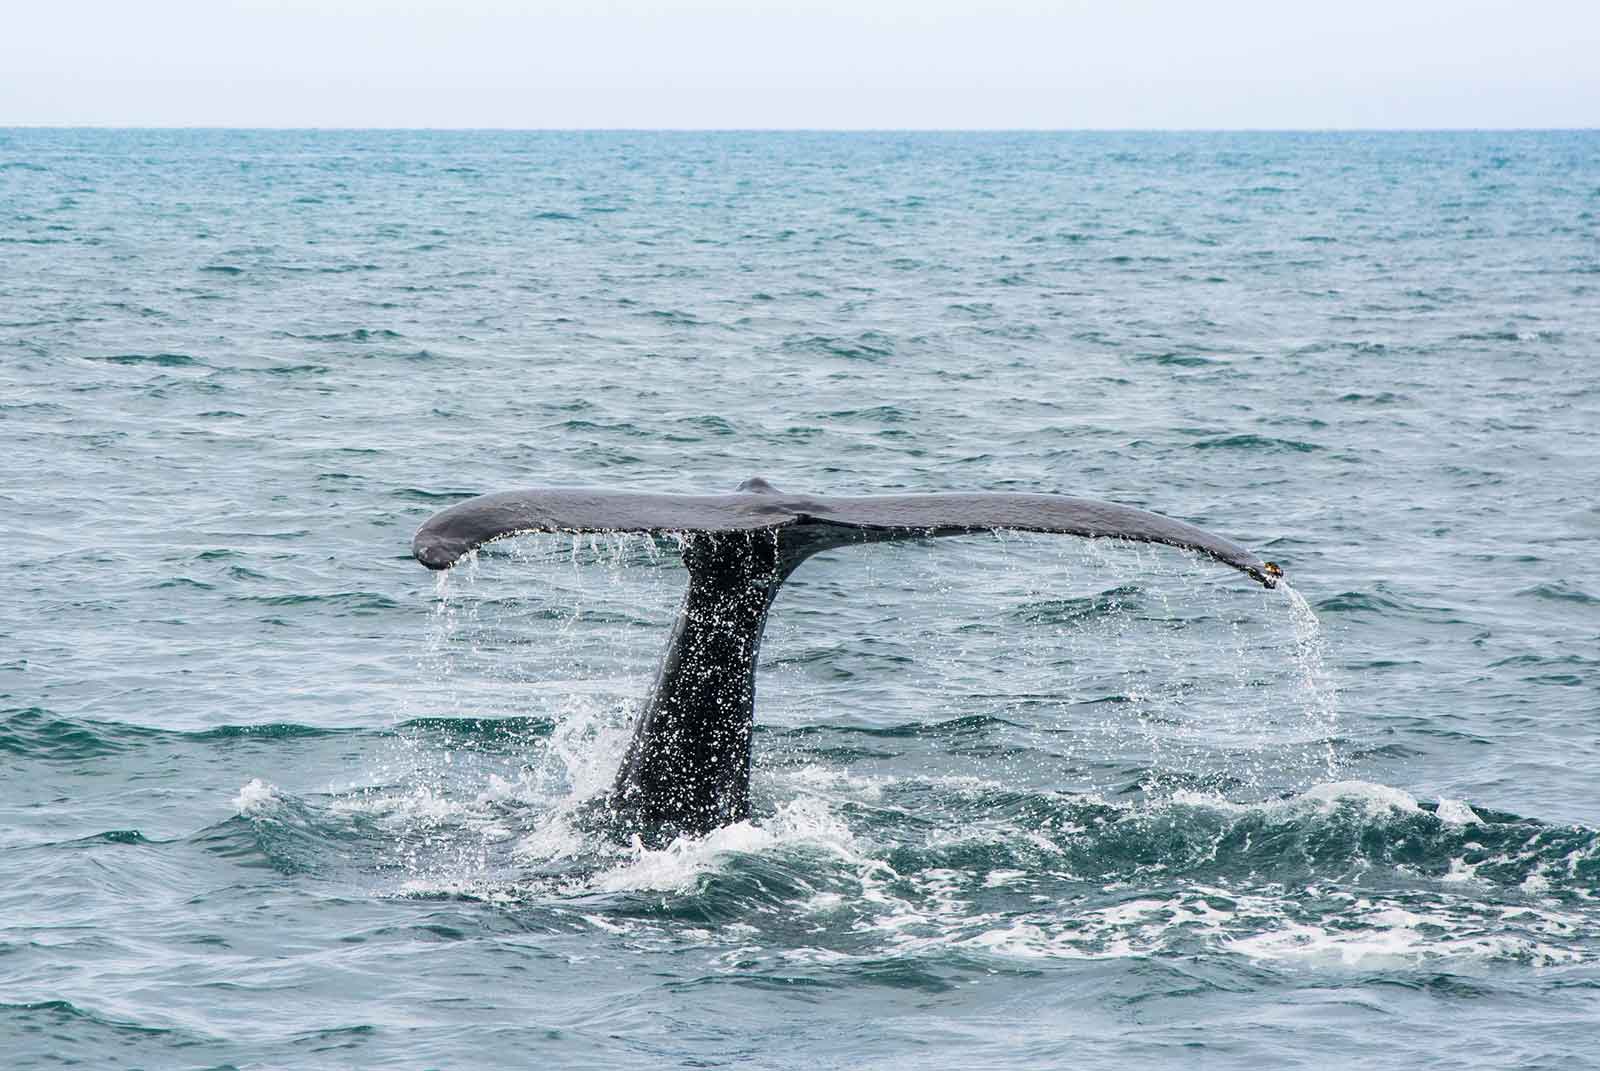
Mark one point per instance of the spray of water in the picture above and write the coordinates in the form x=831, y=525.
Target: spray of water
x=1030, y=662
x=953, y=743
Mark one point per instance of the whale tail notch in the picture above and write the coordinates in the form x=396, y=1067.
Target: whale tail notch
x=809, y=521
x=687, y=768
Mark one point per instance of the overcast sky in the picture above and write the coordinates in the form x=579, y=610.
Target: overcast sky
x=805, y=63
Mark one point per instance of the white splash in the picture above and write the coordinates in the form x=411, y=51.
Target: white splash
x=1372, y=798
x=804, y=823
x=1457, y=813
x=254, y=796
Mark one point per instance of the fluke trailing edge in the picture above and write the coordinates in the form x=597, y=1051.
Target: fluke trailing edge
x=687, y=769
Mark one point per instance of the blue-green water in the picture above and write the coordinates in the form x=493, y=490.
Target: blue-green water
x=272, y=796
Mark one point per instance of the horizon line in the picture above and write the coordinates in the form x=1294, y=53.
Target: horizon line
x=294, y=128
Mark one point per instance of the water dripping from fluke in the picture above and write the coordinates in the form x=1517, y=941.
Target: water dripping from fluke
x=686, y=769
x=1309, y=655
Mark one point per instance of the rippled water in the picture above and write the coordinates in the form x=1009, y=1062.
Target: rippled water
x=274, y=796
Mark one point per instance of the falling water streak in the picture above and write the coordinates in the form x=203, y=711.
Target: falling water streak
x=1309, y=653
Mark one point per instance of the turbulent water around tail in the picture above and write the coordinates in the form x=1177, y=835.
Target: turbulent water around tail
x=272, y=796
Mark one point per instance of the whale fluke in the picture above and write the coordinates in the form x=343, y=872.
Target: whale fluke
x=757, y=505
x=687, y=769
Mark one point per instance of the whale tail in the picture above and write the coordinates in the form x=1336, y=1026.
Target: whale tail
x=687, y=768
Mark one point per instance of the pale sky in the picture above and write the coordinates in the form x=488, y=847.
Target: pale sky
x=911, y=64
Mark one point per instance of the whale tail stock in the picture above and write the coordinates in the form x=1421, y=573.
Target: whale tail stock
x=687, y=768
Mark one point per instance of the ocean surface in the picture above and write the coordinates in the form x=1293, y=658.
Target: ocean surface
x=274, y=796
